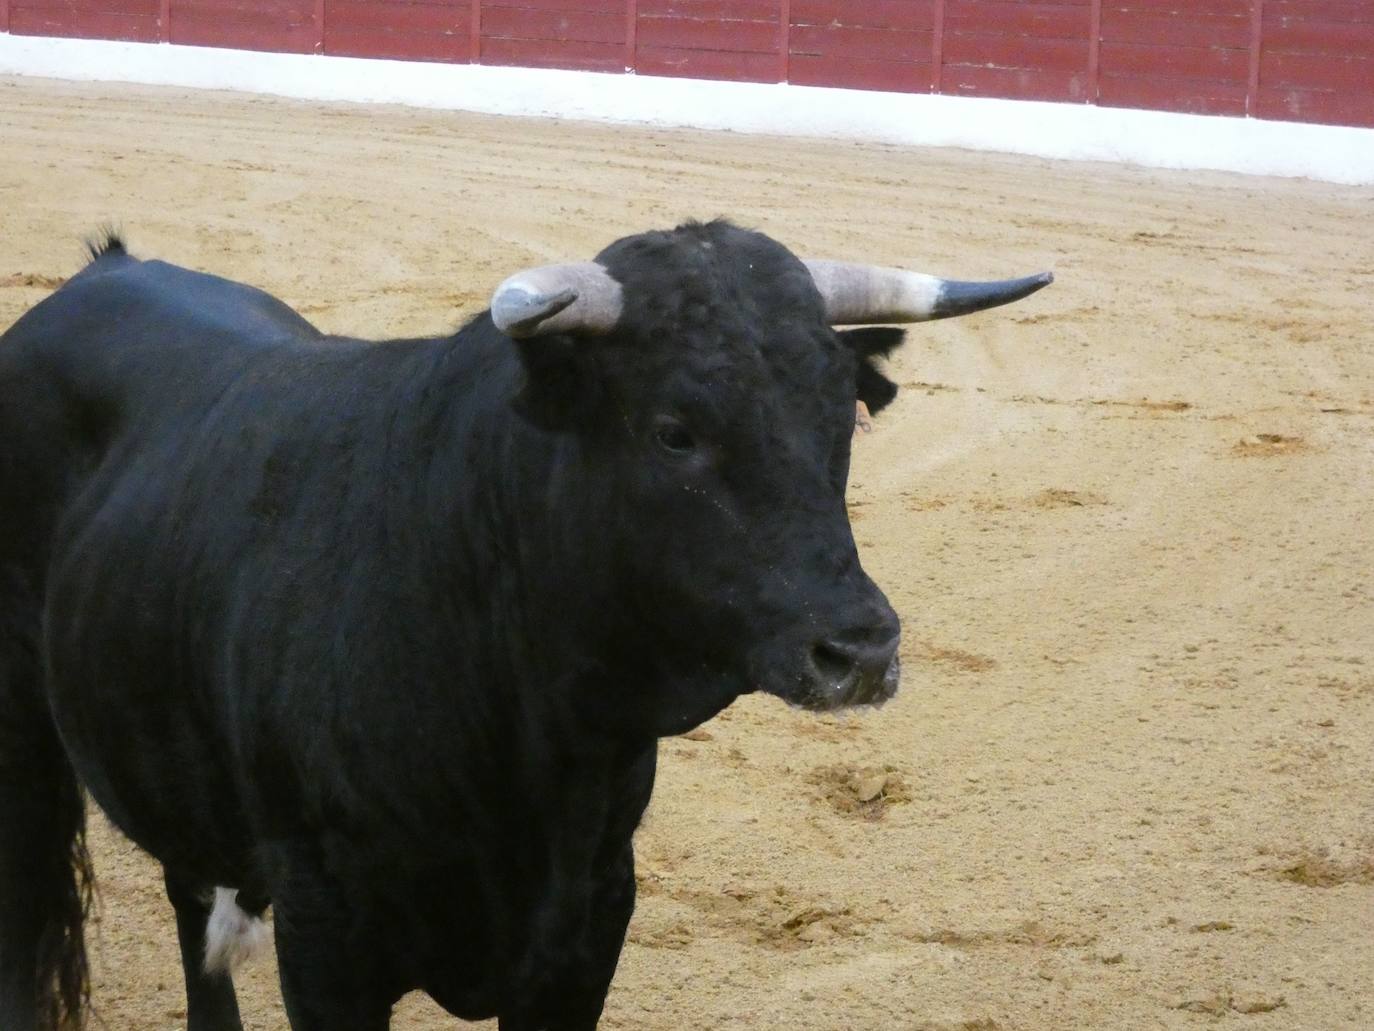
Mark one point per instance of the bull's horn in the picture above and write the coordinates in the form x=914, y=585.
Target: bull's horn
x=864, y=294
x=577, y=298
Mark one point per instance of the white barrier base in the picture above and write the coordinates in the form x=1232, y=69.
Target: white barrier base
x=1152, y=138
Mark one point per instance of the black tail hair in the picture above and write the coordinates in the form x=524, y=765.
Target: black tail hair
x=64, y=986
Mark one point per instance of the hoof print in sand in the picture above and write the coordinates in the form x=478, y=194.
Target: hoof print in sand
x=1320, y=868
x=867, y=791
x=1268, y=445
x=32, y=279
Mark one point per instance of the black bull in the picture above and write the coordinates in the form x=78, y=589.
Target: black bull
x=386, y=633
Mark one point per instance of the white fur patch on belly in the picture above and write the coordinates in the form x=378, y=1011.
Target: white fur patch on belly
x=232, y=936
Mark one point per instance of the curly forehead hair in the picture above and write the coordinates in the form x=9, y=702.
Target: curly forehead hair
x=710, y=274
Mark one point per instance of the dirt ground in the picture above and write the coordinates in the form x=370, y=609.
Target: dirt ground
x=1129, y=780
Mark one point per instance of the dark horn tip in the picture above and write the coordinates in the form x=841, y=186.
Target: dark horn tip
x=958, y=298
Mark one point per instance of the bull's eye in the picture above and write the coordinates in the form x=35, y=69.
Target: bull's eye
x=674, y=438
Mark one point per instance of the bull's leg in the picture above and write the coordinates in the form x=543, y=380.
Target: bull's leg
x=569, y=991
x=321, y=982
x=44, y=870
x=563, y=982
x=330, y=980
x=210, y=1001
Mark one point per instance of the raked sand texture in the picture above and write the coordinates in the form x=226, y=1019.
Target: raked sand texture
x=1129, y=780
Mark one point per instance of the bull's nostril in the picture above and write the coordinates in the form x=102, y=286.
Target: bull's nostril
x=855, y=663
x=833, y=663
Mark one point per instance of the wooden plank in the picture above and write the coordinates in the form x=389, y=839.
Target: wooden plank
x=248, y=21
x=1347, y=39
x=859, y=73
x=695, y=34
x=4, y=15
x=1317, y=72
x=402, y=6
x=542, y=53
x=1256, y=48
x=1049, y=21
x=573, y=26
x=410, y=18
x=785, y=41
x=1327, y=108
x=706, y=64
x=296, y=11
x=1185, y=8
x=591, y=6
x=1216, y=65
x=475, y=32
x=872, y=14
x=1162, y=93
x=937, y=46
x=631, y=35
x=131, y=28
x=1094, y=50
x=1154, y=27
x=876, y=44
x=133, y=8
x=725, y=10
x=1015, y=52
x=1358, y=12
x=240, y=29
x=1014, y=83
x=349, y=41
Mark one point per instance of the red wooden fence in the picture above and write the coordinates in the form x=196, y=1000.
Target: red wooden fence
x=1306, y=60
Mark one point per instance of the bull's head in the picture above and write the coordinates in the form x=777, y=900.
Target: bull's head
x=703, y=363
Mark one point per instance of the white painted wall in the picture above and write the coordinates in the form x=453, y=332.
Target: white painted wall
x=1151, y=138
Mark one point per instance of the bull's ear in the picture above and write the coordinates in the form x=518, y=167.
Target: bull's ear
x=873, y=388
x=561, y=386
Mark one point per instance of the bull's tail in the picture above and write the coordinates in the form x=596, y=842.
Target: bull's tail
x=45, y=871
x=106, y=251
x=107, y=241
x=64, y=984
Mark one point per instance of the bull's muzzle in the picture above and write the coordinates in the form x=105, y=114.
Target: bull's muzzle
x=856, y=667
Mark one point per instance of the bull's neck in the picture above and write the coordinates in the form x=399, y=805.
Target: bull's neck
x=512, y=511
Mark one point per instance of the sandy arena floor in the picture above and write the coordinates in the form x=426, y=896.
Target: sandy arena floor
x=1129, y=781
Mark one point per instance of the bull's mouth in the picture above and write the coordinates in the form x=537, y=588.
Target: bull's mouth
x=856, y=689
x=826, y=690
